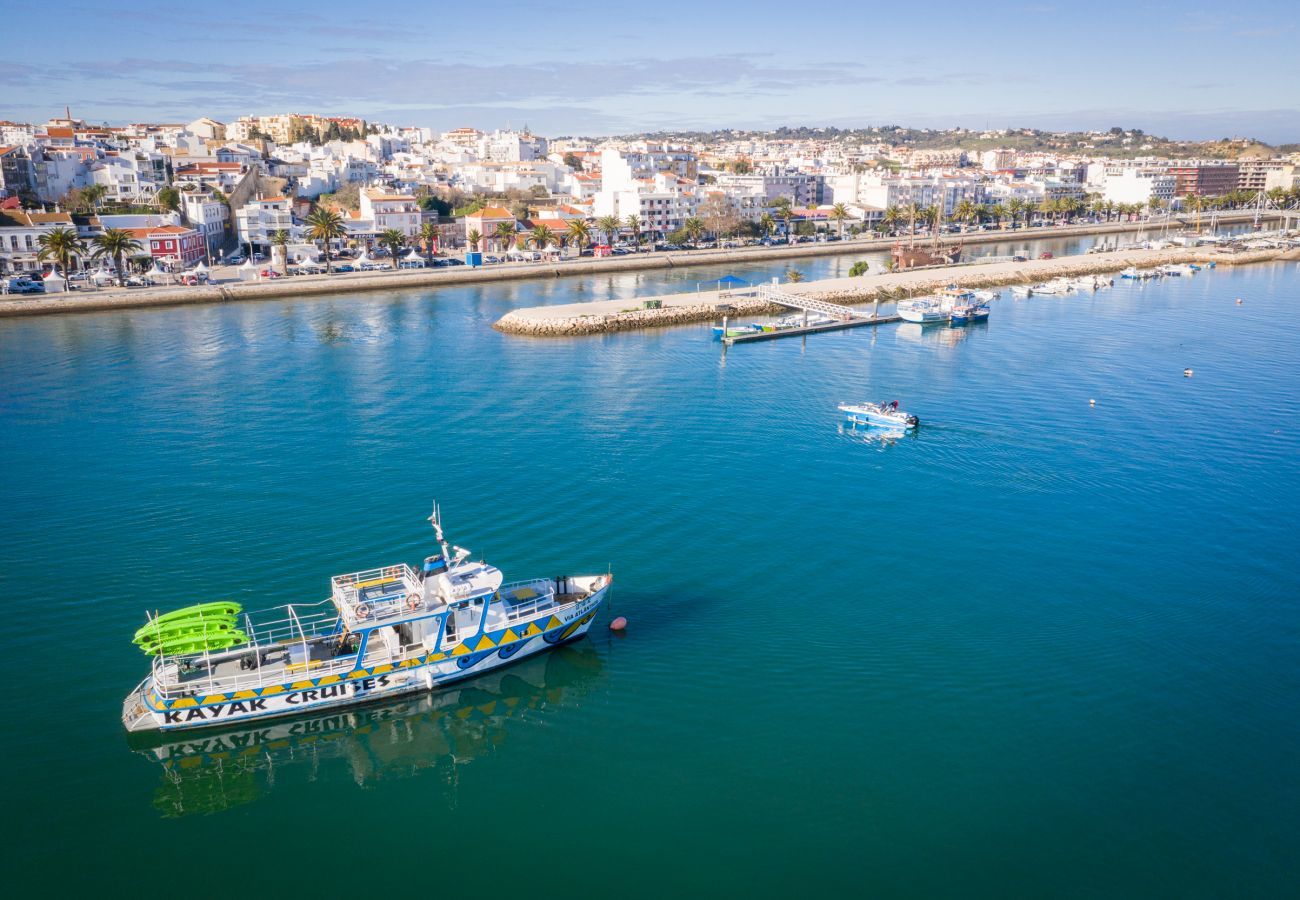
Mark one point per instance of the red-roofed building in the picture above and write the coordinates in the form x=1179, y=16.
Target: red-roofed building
x=171, y=242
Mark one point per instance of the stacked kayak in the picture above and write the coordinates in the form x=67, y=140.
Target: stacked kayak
x=203, y=628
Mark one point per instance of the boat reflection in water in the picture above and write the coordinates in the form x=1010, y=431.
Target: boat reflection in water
x=880, y=436
x=948, y=337
x=210, y=771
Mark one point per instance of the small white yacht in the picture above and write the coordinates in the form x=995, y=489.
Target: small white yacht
x=884, y=415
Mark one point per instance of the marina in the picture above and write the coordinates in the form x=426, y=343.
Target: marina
x=1055, y=677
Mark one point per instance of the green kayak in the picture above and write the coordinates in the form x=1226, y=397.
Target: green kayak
x=191, y=628
x=203, y=611
x=189, y=646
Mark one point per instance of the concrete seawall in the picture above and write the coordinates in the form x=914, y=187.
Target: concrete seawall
x=351, y=283
x=605, y=316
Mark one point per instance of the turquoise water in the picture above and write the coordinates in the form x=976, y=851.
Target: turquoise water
x=1039, y=647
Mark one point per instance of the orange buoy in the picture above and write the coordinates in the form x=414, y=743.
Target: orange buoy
x=618, y=624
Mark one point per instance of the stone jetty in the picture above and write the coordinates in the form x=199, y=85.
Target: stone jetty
x=604, y=316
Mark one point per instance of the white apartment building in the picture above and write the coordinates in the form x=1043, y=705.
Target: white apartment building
x=1133, y=185
x=511, y=146
x=206, y=215
x=797, y=187
x=662, y=201
x=258, y=219
x=387, y=210
x=944, y=191
x=19, y=233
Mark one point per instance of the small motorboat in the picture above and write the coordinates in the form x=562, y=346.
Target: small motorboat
x=1022, y=290
x=924, y=310
x=880, y=415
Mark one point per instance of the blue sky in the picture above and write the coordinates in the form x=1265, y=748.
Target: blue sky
x=1188, y=70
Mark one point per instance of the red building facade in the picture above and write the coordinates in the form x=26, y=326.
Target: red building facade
x=171, y=242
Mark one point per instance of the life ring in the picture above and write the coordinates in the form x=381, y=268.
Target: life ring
x=362, y=611
x=412, y=600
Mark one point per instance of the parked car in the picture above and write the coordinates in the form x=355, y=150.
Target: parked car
x=236, y=260
x=346, y=267
x=491, y=259
x=22, y=285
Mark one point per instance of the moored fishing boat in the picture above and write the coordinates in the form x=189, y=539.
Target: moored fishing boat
x=381, y=633
x=885, y=415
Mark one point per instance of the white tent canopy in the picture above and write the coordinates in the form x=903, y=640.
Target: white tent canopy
x=413, y=256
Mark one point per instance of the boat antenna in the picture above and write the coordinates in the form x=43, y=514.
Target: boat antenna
x=436, y=521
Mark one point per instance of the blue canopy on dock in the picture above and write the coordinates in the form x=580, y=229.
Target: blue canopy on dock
x=726, y=281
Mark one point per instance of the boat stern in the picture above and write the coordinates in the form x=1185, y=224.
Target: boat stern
x=136, y=715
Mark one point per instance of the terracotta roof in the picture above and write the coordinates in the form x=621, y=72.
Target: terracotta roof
x=59, y=132
x=44, y=218
x=492, y=212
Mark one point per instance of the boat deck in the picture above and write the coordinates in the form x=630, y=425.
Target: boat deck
x=809, y=329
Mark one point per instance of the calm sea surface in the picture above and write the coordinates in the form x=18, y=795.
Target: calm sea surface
x=1037, y=648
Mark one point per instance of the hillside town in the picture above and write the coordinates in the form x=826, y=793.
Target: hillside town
x=292, y=194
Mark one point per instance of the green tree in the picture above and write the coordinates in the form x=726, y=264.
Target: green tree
x=59, y=246
x=428, y=235
x=892, y=218
x=473, y=239
x=633, y=223
x=794, y=276
x=694, y=229
x=325, y=225
x=611, y=226
x=280, y=240
x=858, y=268
x=169, y=199
x=542, y=237
x=766, y=224
x=392, y=240
x=839, y=213
x=505, y=233
x=965, y=212
x=94, y=194
x=116, y=244
x=579, y=233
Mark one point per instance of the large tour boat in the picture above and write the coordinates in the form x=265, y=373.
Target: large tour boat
x=381, y=633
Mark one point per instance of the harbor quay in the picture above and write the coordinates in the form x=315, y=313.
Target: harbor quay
x=225, y=285
x=603, y=316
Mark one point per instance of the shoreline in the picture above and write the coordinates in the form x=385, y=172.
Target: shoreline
x=607, y=316
x=320, y=285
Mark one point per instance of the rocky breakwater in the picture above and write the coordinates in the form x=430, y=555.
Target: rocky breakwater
x=601, y=317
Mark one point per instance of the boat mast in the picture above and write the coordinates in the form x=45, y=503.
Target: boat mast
x=436, y=521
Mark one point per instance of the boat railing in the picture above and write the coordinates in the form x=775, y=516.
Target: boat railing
x=398, y=581
x=527, y=608
x=168, y=682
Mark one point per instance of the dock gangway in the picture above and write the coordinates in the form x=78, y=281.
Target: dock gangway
x=810, y=304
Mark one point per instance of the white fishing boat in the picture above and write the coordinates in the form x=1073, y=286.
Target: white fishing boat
x=986, y=296
x=1054, y=287
x=881, y=415
x=381, y=633
x=924, y=310
x=1022, y=290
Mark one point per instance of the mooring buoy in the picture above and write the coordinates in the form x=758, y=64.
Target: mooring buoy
x=618, y=624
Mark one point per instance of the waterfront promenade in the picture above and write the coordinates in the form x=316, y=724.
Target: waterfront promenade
x=603, y=316
x=226, y=287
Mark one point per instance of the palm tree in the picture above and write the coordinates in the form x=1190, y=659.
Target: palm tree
x=116, y=244
x=60, y=245
x=1000, y=212
x=794, y=276
x=611, y=226
x=965, y=212
x=325, y=225
x=579, y=233
x=784, y=212
x=94, y=194
x=428, y=234
x=392, y=240
x=472, y=239
x=505, y=234
x=840, y=212
x=633, y=223
x=280, y=240
x=892, y=218
x=1154, y=205
x=542, y=237
x=694, y=229
x=766, y=224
